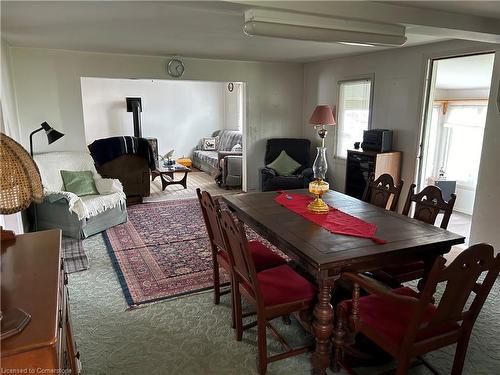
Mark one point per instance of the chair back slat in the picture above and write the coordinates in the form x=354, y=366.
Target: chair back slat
x=462, y=279
x=428, y=203
x=237, y=247
x=379, y=191
x=209, y=208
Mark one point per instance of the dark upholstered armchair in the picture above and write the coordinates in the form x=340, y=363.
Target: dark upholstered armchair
x=296, y=148
x=133, y=173
x=128, y=159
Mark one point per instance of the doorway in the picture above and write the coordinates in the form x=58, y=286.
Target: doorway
x=452, y=136
x=184, y=119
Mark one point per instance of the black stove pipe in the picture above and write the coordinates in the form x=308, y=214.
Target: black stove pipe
x=134, y=105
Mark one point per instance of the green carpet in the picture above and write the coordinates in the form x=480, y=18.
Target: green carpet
x=191, y=335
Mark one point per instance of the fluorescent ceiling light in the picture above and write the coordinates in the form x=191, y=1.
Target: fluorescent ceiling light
x=286, y=25
x=357, y=44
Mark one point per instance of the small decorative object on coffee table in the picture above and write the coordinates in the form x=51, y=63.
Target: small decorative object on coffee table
x=185, y=162
x=167, y=158
x=166, y=173
x=322, y=115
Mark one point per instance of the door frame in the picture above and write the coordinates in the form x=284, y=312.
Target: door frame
x=425, y=111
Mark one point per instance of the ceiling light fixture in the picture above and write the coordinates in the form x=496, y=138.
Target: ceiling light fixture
x=357, y=44
x=287, y=25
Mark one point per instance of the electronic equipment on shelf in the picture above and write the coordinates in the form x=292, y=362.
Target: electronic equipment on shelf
x=377, y=140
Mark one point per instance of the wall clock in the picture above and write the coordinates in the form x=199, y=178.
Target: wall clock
x=175, y=68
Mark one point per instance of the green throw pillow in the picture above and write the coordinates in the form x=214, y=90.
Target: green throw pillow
x=79, y=182
x=284, y=165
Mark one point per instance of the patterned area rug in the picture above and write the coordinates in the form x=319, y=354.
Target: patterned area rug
x=162, y=252
x=75, y=259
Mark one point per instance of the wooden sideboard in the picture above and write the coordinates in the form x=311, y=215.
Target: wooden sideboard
x=360, y=164
x=33, y=279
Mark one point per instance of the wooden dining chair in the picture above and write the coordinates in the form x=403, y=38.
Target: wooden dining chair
x=272, y=293
x=428, y=204
x=407, y=324
x=261, y=254
x=379, y=191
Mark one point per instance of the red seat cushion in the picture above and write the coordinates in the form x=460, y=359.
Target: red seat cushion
x=282, y=284
x=404, y=268
x=263, y=257
x=391, y=318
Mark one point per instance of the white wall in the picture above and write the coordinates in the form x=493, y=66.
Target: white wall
x=448, y=94
x=177, y=113
x=47, y=84
x=399, y=77
x=397, y=104
x=233, y=105
x=486, y=219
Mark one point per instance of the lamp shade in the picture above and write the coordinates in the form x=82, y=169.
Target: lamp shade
x=322, y=115
x=52, y=134
x=20, y=181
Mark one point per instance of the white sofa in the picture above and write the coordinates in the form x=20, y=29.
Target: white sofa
x=78, y=217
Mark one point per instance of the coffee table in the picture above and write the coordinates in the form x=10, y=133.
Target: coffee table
x=166, y=174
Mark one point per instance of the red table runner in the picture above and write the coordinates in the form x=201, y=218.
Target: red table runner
x=335, y=221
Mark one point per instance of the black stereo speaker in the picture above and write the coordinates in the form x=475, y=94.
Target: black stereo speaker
x=377, y=140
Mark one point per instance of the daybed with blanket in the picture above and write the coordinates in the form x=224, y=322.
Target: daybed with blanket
x=77, y=216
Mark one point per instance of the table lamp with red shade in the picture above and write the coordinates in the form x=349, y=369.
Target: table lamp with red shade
x=321, y=117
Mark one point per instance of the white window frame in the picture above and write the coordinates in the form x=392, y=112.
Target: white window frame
x=369, y=77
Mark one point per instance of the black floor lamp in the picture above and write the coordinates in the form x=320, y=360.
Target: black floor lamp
x=52, y=135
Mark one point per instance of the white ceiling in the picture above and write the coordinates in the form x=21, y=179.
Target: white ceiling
x=204, y=29
x=470, y=72
x=201, y=29
x=475, y=8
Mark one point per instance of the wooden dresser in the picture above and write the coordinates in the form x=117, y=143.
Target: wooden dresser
x=33, y=279
x=360, y=164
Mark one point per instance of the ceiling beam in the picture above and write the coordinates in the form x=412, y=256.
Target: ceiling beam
x=420, y=21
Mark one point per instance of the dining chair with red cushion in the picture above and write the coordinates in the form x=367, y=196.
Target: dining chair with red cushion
x=272, y=293
x=406, y=324
x=263, y=256
x=428, y=204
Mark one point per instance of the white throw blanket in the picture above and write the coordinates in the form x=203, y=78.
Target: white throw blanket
x=50, y=166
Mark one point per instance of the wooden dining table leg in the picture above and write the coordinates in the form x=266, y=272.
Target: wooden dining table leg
x=428, y=264
x=323, y=327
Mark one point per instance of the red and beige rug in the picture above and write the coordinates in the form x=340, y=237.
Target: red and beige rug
x=162, y=251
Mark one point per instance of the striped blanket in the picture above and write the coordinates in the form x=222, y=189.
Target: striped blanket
x=107, y=149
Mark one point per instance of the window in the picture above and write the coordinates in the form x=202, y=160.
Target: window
x=463, y=139
x=354, y=113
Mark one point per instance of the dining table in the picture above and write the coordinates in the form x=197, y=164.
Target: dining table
x=325, y=255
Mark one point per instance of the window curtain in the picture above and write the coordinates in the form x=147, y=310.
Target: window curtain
x=465, y=129
x=8, y=110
